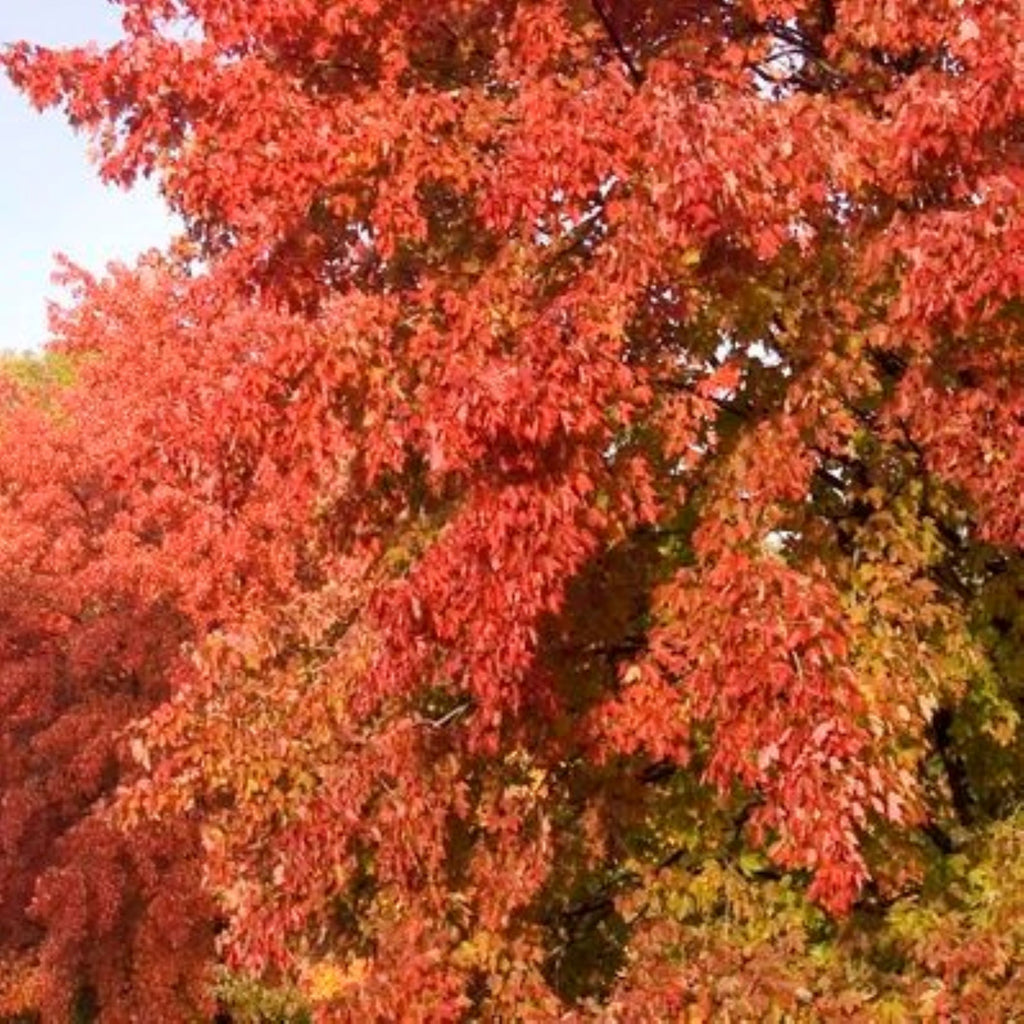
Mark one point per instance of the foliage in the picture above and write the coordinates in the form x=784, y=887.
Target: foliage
x=246, y=1001
x=552, y=526
x=84, y=909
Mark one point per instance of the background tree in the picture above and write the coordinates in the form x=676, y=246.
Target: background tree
x=87, y=915
x=583, y=442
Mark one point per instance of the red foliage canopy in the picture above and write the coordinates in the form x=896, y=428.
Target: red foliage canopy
x=565, y=483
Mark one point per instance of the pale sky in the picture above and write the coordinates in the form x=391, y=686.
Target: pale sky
x=51, y=199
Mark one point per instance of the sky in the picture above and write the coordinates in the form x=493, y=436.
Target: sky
x=51, y=199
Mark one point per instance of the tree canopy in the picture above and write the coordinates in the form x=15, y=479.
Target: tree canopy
x=546, y=544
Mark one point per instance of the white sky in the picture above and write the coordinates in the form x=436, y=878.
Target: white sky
x=51, y=199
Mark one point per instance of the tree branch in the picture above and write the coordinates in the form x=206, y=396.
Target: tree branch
x=635, y=74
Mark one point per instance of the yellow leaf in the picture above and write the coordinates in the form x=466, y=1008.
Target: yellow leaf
x=326, y=981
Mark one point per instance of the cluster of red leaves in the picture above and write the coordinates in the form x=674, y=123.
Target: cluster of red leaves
x=552, y=415
x=86, y=651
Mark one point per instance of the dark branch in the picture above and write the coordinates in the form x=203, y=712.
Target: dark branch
x=635, y=73
x=953, y=765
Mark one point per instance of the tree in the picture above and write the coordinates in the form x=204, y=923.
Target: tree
x=581, y=445
x=88, y=914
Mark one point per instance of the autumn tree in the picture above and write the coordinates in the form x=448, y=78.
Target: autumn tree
x=580, y=443
x=88, y=915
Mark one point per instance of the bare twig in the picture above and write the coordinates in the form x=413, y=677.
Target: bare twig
x=450, y=716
